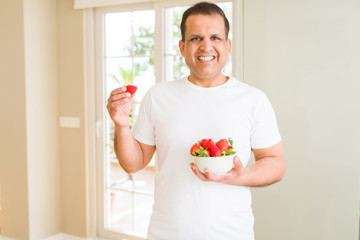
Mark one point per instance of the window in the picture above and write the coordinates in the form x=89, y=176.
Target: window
x=135, y=44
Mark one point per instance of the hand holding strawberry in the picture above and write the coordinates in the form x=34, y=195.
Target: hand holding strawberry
x=119, y=105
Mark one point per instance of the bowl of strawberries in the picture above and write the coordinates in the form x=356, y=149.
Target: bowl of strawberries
x=216, y=156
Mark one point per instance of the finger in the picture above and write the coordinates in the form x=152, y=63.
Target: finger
x=119, y=96
x=237, y=163
x=116, y=105
x=115, y=95
x=212, y=176
x=197, y=172
x=118, y=90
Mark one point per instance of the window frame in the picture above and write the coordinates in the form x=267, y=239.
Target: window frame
x=101, y=200
x=95, y=72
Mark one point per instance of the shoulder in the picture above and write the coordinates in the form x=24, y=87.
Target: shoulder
x=246, y=89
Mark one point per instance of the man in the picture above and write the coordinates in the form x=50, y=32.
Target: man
x=206, y=104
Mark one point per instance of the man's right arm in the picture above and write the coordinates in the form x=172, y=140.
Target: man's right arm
x=131, y=154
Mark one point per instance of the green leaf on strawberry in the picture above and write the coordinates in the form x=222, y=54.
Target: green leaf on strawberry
x=229, y=152
x=203, y=152
x=207, y=148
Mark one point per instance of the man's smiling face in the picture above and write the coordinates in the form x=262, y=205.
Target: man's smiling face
x=206, y=48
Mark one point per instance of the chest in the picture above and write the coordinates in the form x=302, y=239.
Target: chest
x=185, y=119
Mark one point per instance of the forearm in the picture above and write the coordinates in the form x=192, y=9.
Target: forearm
x=263, y=172
x=128, y=150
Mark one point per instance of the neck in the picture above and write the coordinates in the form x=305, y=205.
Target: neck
x=208, y=83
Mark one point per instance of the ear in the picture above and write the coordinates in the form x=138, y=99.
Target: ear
x=181, y=48
x=229, y=45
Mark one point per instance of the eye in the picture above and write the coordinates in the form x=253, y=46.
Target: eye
x=195, y=39
x=215, y=38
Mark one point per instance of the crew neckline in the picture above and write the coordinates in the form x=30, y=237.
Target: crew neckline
x=192, y=85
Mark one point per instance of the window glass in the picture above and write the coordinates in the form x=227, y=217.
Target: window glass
x=118, y=34
x=175, y=66
x=129, y=59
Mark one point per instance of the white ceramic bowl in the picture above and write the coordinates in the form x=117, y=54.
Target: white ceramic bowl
x=217, y=165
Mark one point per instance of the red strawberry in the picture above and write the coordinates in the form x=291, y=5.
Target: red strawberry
x=215, y=151
x=196, y=147
x=131, y=89
x=223, y=144
x=209, y=144
x=203, y=153
x=202, y=142
x=207, y=151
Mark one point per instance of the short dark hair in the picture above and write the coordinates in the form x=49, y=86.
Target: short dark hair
x=203, y=8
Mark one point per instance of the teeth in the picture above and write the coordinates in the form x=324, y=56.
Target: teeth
x=206, y=58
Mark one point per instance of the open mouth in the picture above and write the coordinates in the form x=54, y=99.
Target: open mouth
x=206, y=58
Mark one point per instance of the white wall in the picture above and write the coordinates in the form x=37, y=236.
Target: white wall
x=72, y=86
x=13, y=171
x=42, y=167
x=305, y=55
x=29, y=139
x=42, y=132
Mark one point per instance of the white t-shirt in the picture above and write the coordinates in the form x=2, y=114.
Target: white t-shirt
x=173, y=116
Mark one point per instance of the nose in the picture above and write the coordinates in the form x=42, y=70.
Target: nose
x=206, y=45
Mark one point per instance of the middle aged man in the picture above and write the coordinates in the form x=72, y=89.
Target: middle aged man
x=206, y=104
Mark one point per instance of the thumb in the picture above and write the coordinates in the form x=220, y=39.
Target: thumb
x=237, y=163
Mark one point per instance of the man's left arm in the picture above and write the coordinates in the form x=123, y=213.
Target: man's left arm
x=269, y=167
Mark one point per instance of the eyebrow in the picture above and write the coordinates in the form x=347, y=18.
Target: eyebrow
x=195, y=35
x=199, y=35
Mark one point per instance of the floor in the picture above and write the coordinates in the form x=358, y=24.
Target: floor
x=131, y=199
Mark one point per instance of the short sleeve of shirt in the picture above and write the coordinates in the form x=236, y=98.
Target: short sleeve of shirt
x=264, y=132
x=143, y=130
